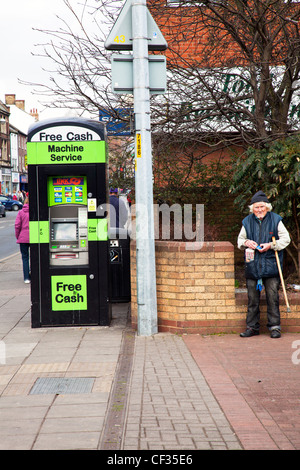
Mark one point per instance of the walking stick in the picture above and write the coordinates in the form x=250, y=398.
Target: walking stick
x=281, y=278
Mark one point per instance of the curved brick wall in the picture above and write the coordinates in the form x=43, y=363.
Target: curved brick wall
x=196, y=291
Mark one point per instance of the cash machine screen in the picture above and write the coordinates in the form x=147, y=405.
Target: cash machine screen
x=63, y=231
x=68, y=218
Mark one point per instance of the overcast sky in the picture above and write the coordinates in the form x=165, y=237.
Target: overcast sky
x=18, y=40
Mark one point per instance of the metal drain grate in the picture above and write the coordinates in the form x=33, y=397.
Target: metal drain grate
x=60, y=385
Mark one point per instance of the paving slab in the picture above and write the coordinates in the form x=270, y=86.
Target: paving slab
x=59, y=420
x=174, y=408
x=256, y=382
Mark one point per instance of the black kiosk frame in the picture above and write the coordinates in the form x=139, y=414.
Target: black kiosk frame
x=69, y=248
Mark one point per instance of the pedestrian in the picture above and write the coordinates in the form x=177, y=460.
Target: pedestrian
x=118, y=210
x=22, y=236
x=261, y=269
x=20, y=197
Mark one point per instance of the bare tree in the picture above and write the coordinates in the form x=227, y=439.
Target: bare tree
x=233, y=74
x=78, y=76
x=237, y=63
x=233, y=66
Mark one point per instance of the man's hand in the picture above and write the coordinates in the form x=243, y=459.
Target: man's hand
x=251, y=244
x=265, y=247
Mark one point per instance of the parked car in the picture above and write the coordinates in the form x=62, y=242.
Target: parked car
x=2, y=210
x=10, y=204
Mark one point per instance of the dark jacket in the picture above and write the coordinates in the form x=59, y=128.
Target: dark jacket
x=264, y=264
x=118, y=212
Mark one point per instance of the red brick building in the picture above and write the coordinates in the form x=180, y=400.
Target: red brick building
x=199, y=44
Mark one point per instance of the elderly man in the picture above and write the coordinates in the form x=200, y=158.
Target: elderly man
x=261, y=269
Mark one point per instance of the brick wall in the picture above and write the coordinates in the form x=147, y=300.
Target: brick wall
x=196, y=291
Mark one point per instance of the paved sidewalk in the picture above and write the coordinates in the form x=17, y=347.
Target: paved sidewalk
x=170, y=404
x=256, y=381
x=164, y=392
x=51, y=420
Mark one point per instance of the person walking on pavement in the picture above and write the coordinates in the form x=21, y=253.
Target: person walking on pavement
x=261, y=269
x=20, y=197
x=22, y=236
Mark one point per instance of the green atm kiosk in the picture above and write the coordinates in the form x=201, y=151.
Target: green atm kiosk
x=69, y=250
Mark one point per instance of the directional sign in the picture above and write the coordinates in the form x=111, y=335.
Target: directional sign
x=120, y=37
x=117, y=126
x=122, y=74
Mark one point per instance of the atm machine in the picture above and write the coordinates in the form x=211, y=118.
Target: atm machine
x=67, y=176
x=68, y=245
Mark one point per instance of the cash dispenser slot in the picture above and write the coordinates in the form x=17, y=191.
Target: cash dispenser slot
x=65, y=255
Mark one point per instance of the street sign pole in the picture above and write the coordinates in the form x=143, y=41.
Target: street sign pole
x=145, y=244
x=136, y=30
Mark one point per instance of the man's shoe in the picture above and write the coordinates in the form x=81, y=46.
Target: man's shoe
x=275, y=334
x=249, y=332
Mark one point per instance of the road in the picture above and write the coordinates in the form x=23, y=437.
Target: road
x=8, y=245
